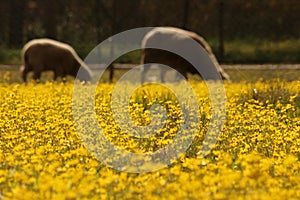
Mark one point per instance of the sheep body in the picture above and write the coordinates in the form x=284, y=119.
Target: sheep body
x=44, y=54
x=175, y=38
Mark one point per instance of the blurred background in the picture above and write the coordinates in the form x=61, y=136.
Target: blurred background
x=257, y=31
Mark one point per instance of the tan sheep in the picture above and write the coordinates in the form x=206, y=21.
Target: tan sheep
x=40, y=55
x=177, y=38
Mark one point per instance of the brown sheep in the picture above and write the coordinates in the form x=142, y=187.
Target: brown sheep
x=177, y=38
x=50, y=55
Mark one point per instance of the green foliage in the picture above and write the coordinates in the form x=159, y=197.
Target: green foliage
x=260, y=51
x=10, y=56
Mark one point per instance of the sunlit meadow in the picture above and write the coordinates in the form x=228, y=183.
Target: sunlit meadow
x=256, y=156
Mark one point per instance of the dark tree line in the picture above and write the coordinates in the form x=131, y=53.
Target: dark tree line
x=88, y=22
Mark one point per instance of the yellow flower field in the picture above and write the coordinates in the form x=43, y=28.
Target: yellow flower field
x=256, y=156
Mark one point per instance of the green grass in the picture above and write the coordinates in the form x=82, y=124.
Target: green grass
x=247, y=75
x=10, y=56
x=236, y=51
x=260, y=51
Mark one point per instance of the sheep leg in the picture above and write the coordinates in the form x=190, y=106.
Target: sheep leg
x=162, y=75
x=184, y=74
x=37, y=75
x=143, y=74
x=55, y=76
x=59, y=73
x=64, y=77
x=24, y=74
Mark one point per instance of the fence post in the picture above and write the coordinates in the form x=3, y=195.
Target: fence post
x=111, y=66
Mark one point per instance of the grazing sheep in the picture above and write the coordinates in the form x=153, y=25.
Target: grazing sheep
x=174, y=37
x=46, y=54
